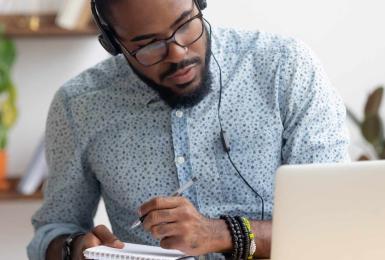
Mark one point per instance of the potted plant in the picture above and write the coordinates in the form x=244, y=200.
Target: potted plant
x=8, y=110
x=372, y=128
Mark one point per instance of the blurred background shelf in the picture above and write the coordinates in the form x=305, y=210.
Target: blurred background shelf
x=40, y=26
x=13, y=195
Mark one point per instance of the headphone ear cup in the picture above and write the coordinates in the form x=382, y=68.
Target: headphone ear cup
x=202, y=4
x=106, y=37
x=109, y=46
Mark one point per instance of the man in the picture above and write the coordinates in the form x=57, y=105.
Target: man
x=139, y=125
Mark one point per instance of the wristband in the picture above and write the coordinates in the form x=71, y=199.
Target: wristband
x=253, y=246
x=67, y=247
x=240, y=237
x=234, y=237
x=246, y=238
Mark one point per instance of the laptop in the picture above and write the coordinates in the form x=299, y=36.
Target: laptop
x=329, y=211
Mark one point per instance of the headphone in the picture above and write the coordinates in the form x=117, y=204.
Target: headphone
x=226, y=141
x=107, y=36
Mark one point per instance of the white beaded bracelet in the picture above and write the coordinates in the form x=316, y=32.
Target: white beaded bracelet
x=253, y=248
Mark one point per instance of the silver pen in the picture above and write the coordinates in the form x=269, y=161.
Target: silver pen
x=178, y=192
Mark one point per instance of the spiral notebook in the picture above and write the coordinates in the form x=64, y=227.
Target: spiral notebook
x=133, y=252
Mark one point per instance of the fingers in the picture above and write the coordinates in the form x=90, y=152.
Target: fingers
x=171, y=242
x=159, y=203
x=100, y=235
x=90, y=240
x=177, y=224
x=105, y=236
x=164, y=230
x=157, y=217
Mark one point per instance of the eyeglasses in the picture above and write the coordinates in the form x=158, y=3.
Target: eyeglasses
x=184, y=36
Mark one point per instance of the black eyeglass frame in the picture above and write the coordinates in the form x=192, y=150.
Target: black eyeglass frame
x=167, y=41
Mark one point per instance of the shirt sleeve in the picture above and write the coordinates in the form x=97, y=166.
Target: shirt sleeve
x=313, y=113
x=72, y=192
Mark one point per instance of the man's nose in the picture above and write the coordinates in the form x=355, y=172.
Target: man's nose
x=176, y=53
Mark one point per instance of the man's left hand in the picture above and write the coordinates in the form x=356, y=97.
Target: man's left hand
x=178, y=225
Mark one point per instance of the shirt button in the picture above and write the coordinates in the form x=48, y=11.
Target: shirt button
x=180, y=160
x=179, y=113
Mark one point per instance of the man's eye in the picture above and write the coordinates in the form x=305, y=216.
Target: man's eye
x=146, y=44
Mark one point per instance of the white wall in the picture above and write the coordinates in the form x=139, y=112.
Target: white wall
x=347, y=35
x=30, y=6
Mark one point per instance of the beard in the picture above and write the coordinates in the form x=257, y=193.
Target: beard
x=188, y=100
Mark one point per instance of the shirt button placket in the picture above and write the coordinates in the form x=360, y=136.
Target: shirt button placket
x=181, y=153
x=179, y=114
x=180, y=160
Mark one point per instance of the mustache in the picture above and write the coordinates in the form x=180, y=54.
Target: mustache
x=181, y=65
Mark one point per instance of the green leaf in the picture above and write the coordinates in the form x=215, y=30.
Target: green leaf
x=373, y=132
x=3, y=137
x=12, y=92
x=8, y=110
x=374, y=102
x=4, y=78
x=372, y=129
x=7, y=52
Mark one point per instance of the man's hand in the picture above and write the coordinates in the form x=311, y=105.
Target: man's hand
x=100, y=235
x=178, y=225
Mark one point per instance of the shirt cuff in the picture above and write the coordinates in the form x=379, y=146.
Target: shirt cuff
x=45, y=234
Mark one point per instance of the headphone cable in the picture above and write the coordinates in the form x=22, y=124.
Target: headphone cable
x=225, y=140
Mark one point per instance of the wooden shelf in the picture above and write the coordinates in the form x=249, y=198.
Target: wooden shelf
x=11, y=194
x=21, y=26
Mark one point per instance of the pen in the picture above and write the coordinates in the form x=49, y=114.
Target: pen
x=178, y=192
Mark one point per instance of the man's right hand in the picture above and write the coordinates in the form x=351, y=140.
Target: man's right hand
x=100, y=235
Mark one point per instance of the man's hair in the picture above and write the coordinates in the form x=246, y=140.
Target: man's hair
x=104, y=9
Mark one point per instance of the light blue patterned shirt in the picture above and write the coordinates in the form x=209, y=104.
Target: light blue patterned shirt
x=109, y=135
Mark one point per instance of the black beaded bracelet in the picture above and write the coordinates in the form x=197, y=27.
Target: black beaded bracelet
x=234, y=238
x=246, y=237
x=240, y=237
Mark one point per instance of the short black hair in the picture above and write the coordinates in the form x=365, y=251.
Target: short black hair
x=104, y=9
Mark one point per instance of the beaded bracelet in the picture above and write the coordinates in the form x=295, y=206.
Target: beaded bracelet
x=234, y=238
x=246, y=237
x=240, y=238
x=253, y=246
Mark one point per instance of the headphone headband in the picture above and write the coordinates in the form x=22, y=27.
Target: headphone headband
x=202, y=4
x=106, y=36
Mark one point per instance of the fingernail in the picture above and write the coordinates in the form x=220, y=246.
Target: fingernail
x=139, y=212
x=118, y=243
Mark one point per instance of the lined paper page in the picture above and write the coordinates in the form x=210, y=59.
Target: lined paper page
x=131, y=251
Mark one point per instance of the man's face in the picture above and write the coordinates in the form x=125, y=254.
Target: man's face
x=140, y=22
